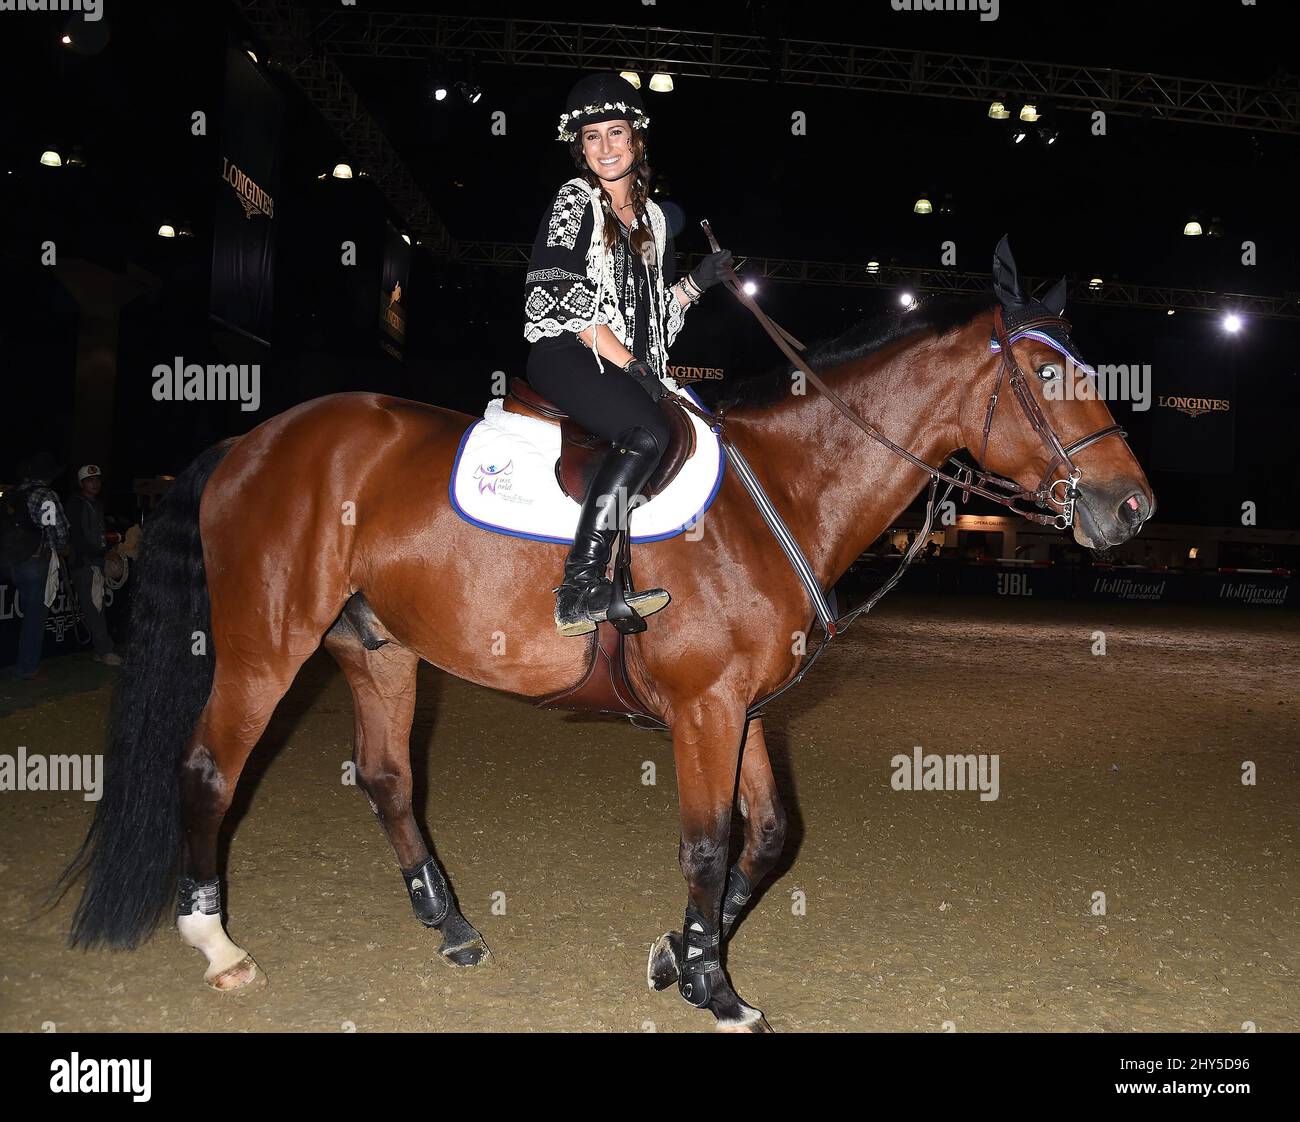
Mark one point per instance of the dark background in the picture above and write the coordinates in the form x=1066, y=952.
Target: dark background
x=1112, y=206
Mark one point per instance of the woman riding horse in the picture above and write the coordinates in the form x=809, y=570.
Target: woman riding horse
x=603, y=256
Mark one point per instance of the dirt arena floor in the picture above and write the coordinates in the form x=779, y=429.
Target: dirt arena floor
x=1119, y=774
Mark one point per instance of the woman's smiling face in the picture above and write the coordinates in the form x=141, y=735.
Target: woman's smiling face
x=607, y=147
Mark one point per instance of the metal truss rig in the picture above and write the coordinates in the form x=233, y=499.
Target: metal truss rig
x=741, y=57
x=838, y=274
x=287, y=32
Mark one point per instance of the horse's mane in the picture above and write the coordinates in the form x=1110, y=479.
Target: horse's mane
x=936, y=316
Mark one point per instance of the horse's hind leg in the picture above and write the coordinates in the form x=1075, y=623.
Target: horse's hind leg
x=383, y=691
x=237, y=713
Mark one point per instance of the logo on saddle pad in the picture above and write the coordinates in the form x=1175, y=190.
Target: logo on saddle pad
x=490, y=475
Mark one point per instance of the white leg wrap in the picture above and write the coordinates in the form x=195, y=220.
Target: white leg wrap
x=205, y=933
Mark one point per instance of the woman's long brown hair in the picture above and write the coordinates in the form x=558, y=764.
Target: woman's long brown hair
x=642, y=239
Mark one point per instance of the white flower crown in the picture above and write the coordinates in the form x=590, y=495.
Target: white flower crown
x=637, y=116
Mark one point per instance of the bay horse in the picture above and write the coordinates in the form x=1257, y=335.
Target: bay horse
x=308, y=530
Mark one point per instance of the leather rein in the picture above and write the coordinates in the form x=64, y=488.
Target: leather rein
x=1008, y=493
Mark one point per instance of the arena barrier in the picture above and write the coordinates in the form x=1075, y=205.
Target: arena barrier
x=1254, y=589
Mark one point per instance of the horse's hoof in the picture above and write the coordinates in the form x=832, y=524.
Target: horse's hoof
x=468, y=954
x=242, y=975
x=663, y=968
x=753, y=1021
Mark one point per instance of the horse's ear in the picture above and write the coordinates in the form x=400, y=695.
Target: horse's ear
x=1006, y=279
x=1054, y=300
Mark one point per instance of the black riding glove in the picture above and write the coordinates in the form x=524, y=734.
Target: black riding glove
x=710, y=271
x=646, y=379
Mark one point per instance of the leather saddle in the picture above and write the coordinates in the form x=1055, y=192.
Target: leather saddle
x=581, y=452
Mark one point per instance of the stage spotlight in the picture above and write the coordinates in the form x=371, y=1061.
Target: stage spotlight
x=66, y=40
x=873, y=267
x=51, y=159
x=440, y=93
x=1049, y=136
x=662, y=82
x=166, y=231
x=907, y=300
x=998, y=111
x=631, y=77
x=922, y=206
x=406, y=238
x=750, y=288
x=471, y=92
x=1095, y=283
x=1232, y=323
x=342, y=171
x=1193, y=229
x=1018, y=135
x=251, y=55
x=1169, y=311
x=1029, y=112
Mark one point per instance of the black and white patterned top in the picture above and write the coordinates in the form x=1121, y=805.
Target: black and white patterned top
x=573, y=282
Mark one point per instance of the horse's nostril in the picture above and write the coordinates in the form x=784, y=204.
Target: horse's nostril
x=1133, y=509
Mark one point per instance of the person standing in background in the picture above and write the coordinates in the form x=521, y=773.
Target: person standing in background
x=89, y=547
x=46, y=530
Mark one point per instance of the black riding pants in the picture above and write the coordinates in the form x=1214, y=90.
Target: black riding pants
x=605, y=402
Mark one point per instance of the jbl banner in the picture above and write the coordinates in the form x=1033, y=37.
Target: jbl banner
x=1193, y=406
x=243, y=234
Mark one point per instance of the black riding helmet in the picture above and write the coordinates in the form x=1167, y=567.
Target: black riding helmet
x=600, y=97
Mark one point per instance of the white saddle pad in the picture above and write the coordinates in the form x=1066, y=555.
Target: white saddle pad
x=504, y=480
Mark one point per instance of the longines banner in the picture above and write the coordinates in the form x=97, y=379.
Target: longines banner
x=392, y=285
x=1193, y=410
x=243, y=232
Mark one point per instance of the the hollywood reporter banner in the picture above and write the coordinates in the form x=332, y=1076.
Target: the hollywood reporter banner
x=1256, y=589
x=243, y=229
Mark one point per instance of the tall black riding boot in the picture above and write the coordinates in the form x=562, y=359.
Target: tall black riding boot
x=583, y=599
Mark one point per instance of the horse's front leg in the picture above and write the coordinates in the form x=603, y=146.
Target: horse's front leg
x=706, y=743
x=765, y=824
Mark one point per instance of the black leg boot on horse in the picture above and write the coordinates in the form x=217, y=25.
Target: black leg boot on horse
x=583, y=599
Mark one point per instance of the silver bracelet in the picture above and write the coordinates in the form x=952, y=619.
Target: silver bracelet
x=691, y=289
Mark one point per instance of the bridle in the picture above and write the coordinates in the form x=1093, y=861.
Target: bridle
x=972, y=481
x=1044, y=495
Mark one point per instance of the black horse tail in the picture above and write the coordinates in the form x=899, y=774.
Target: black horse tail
x=131, y=854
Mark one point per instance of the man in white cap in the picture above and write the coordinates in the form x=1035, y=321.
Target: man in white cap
x=89, y=546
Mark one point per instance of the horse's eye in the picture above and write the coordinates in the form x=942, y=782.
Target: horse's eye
x=1048, y=371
